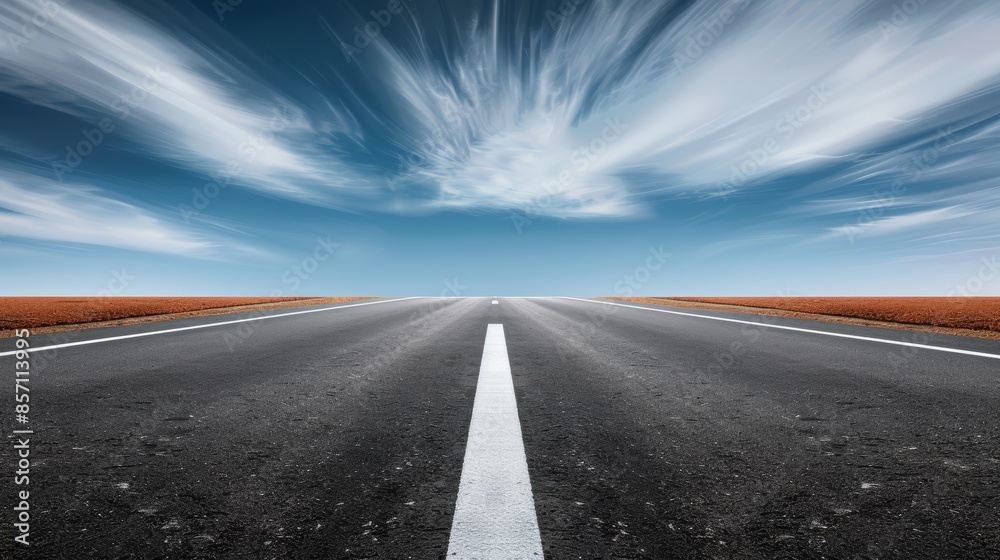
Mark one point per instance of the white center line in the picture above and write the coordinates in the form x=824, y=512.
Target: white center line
x=194, y=327
x=495, y=510
x=495, y=302
x=798, y=329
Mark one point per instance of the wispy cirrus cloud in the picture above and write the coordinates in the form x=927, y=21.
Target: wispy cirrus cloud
x=493, y=111
x=169, y=96
x=606, y=112
x=78, y=214
x=778, y=88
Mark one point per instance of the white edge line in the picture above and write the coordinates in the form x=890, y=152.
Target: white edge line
x=797, y=329
x=194, y=327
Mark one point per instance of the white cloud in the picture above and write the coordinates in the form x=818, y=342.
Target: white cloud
x=506, y=119
x=75, y=214
x=516, y=119
x=169, y=94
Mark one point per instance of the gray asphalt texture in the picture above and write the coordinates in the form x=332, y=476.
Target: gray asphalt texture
x=341, y=434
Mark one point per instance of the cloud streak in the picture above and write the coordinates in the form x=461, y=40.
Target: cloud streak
x=782, y=88
x=77, y=214
x=607, y=111
x=170, y=96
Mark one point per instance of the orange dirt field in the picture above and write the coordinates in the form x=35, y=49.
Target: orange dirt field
x=35, y=312
x=974, y=313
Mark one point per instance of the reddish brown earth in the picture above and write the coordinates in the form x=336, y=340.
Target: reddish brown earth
x=58, y=313
x=976, y=316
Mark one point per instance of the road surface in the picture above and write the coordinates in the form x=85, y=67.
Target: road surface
x=599, y=431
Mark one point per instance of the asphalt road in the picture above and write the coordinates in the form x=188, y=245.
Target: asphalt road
x=343, y=434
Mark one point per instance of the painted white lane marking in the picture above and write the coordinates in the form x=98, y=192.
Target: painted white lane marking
x=495, y=511
x=495, y=302
x=194, y=327
x=787, y=328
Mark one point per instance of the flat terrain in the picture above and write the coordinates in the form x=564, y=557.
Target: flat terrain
x=938, y=314
x=342, y=433
x=35, y=312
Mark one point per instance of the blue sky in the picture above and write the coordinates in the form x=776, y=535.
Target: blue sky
x=499, y=148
